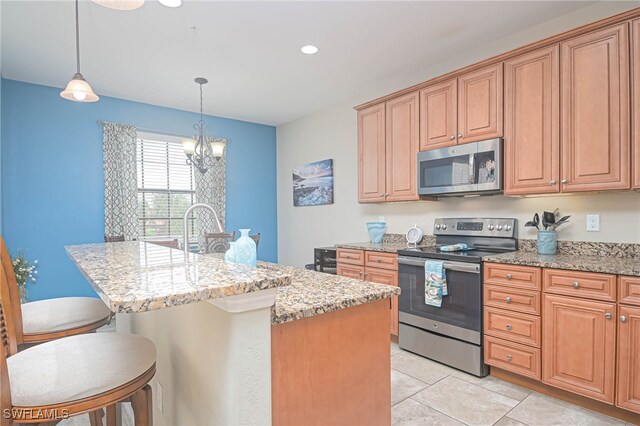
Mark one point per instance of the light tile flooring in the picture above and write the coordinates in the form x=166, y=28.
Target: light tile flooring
x=424, y=392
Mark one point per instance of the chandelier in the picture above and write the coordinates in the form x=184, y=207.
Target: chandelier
x=203, y=152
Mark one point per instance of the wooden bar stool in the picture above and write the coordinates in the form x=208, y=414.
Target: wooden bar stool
x=45, y=320
x=73, y=375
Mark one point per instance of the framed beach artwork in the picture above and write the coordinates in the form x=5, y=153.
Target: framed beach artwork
x=313, y=184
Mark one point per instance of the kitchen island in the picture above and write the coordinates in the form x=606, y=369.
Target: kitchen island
x=239, y=345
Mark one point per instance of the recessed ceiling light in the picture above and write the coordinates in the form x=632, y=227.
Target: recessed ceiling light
x=120, y=4
x=309, y=49
x=171, y=3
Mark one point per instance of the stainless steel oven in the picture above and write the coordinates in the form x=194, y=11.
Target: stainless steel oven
x=473, y=168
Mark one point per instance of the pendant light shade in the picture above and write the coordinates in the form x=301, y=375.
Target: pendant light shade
x=120, y=4
x=78, y=90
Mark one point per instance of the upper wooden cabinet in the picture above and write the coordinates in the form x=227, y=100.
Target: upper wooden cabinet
x=480, y=104
x=439, y=115
x=402, y=146
x=635, y=72
x=531, y=123
x=579, y=346
x=595, y=111
x=371, y=154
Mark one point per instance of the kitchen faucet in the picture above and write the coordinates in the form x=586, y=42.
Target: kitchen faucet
x=185, y=223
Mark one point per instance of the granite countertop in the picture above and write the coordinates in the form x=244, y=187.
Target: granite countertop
x=137, y=276
x=577, y=262
x=387, y=247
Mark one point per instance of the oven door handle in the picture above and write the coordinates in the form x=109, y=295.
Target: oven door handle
x=470, y=268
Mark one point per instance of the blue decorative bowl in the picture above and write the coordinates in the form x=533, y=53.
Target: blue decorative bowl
x=376, y=231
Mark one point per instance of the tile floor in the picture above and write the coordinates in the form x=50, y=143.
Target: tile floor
x=424, y=392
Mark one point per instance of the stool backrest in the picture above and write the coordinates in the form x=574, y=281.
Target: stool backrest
x=166, y=243
x=8, y=343
x=218, y=242
x=13, y=292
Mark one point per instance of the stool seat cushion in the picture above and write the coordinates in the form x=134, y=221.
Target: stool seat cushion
x=65, y=313
x=77, y=367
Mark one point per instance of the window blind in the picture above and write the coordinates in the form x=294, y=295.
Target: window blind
x=166, y=188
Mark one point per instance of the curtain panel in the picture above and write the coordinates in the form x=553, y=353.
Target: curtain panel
x=211, y=190
x=120, y=181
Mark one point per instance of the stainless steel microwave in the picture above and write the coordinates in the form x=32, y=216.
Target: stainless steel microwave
x=472, y=168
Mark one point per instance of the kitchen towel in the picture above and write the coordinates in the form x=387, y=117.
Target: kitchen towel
x=455, y=247
x=435, y=283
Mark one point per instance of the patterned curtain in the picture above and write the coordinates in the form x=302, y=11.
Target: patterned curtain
x=211, y=189
x=120, y=181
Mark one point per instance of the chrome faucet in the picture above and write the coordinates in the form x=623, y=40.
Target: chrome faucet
x=185, y=223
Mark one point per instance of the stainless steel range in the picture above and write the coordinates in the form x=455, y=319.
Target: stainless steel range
x=451, y=334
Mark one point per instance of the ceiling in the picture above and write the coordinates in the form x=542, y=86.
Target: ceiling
x=250, y=51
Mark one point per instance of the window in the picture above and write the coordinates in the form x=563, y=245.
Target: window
x=166, y=187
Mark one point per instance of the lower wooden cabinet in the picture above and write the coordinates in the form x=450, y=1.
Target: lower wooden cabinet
x=350, y=271
x=579, y=346
x=629, y=358
x=382, y=276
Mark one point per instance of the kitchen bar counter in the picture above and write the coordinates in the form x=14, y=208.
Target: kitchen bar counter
x=576, y=262
x=136, y=276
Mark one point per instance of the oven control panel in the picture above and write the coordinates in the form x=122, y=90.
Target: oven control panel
x=487, y=227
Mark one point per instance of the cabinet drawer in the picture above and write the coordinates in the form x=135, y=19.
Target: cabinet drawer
x=350, y=256
x=513, y=326
x=527, y=277
x=629, y=290
x=512, y=299
x=350, y=271
x=514, y=357
x=381, y=276
x=580, y=284
x=376, y=259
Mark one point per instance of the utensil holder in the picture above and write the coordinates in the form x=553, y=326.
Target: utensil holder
x=547, y=242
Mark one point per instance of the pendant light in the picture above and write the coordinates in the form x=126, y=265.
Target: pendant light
x=202, y=151
x=78, y=89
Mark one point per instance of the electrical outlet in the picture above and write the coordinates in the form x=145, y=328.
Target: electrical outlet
x=159, y=397
x=593, y=222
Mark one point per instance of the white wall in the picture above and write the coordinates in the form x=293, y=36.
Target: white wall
x=332, y=133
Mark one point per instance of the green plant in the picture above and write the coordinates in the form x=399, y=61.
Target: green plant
x=25, y=271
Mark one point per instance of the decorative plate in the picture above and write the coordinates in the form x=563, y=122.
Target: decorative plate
x=414, y=235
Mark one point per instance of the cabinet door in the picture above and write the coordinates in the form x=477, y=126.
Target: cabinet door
x=371, y=154
x=402, y=147
x=381, y=276
x=629, y=358
x=578, y=346
x=439, y=115
x=595, y=111
x=531, y=123
x=480, y=104
x=350, y=271
x=635, y=68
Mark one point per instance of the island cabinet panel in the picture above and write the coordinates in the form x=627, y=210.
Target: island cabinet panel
x=579, y=346
x=595, y=111
x=480, y=104
x=402, y=146
x=371, y=154
x=439, y=115
x=351, y=381
x=531, y=123
x=629, y=358
x=635, y=69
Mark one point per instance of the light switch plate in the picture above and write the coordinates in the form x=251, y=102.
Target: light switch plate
x=593, y=222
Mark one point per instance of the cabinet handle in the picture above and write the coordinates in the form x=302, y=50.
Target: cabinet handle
x=576, y=284
x=623, y=319
x=563, y=181
x=452, y=137
x=378, y=260
x=552, y=182
x=509, y=327
x=508, y=299
x=460, y=135
x=508, y=276
x=509, y=357
x=608, y=316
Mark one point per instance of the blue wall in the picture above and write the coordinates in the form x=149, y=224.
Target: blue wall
x=52, y=177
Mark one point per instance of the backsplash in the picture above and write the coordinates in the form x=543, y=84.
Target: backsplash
x=401, y=238
x=587, y=248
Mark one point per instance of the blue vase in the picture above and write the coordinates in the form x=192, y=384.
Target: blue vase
x=245, y=249
x=230, y=255
x=547, y=242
